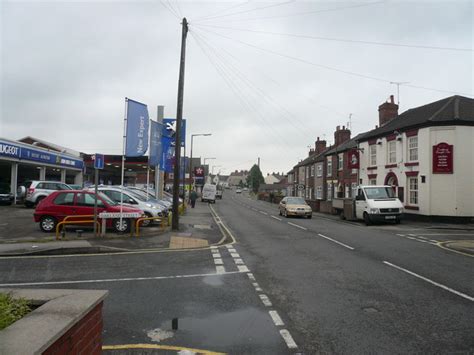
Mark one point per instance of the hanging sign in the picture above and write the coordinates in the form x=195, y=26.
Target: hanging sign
x=353, y=161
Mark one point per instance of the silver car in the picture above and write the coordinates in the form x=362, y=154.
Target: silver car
x=149, y=208
x=34, y=191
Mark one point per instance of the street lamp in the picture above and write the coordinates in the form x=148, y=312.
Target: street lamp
x=191, y=159
x=207, y=159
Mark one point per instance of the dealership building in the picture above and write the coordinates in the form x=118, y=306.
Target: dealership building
x=34, y=159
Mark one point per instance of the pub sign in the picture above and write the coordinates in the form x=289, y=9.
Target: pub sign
x=443, y=158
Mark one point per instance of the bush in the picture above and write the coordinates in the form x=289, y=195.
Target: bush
x=12, y=309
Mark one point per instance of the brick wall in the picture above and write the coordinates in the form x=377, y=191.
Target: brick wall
x=85, y=337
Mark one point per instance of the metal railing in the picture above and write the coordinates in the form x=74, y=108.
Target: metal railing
x=66, y=221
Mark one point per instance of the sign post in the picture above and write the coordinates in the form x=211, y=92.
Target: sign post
x=98, y=164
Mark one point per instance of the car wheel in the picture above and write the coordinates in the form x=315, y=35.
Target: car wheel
x=367, y=220
x=310, y=216
x=285, y=213
x=48, y=224
x=121, y=228
x=279, y=212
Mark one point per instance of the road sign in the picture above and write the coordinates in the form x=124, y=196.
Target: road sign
x=300, y=187
x=98, y=161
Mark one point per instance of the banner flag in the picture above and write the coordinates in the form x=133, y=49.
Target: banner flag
x=169, y=129
x=155, y=144
x=137, y=129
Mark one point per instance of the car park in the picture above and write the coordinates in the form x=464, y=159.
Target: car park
x=35, y=190
x=295, y=206
x=129, y=198
x=59, y=204
x=6, y=197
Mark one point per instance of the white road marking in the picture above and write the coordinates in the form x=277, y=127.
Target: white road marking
x=229, y=246
x=232, y=250
x=297, y=226
x=243, y=268
x=434, y=241
x=115, y=280
x=431, y=281
x=276, y=318
x=288, y=339
x=218, y=262
x=216, y=255
x=262, y=212
x=254, y=209
x=422, y=237
x=265, y=300
x=239, y=261
x=337, y=242
x=235, y=255
x=401, y=235
x=448, y=234
x=275, y=217
x=251, y=277
x=213, y=247
x=220, y=269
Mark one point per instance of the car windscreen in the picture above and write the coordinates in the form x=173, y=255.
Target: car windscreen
x=296, y=201
x=107, y=199
x=137, y=195
x=374, y=193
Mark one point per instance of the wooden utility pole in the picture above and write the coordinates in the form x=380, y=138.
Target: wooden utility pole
x=179, y=119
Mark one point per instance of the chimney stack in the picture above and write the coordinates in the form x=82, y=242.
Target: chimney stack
x=319, y=146
x=387, y=111
x=341, y=135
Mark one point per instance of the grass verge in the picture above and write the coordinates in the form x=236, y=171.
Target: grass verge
x=12, y=309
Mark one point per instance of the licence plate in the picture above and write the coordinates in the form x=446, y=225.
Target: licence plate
x=390, y=217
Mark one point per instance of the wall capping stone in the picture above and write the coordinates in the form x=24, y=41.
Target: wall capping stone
x=60, y=310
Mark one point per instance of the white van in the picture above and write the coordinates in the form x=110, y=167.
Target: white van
x=209, y=193
x=377, y=204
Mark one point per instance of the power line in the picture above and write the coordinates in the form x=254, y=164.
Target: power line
x=261, y=92
x=165, y=5
x=246, y=11
x=340, y=39
x=233, y=85
x=305, y=12
x=222, y=10
x=331, y=68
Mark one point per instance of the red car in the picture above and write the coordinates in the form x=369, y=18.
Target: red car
x=52, y=209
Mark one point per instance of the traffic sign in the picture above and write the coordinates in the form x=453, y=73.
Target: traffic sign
x=98, y=161
x=300, y=187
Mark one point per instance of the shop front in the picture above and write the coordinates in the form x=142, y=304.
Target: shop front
x=20, y=162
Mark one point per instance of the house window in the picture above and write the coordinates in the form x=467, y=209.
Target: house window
x=319, y=170
x=347, y=191
x=373, y=155
x=312, y=170
x=339, y=162
x=319, y=193
x=329, y=166
x=413, y=190
x=412, y=148
x=392, y=152
x=372, y=181
x=307, y=171
x=329, y=198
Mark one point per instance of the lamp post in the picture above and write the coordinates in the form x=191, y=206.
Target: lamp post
x=191, y=158
x=208, y=171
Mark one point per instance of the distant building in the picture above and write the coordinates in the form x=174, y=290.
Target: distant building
x=237, y=177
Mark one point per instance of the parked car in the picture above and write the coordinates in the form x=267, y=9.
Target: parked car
x=59, y=204
x=6, y=197
x=295, y=206
x=34, y=191
x=150, y=196
x=129, y=198
x=377, y=204
x=209, y=193
x=219, y=192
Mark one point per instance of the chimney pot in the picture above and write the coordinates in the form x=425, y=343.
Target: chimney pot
x=391, y=99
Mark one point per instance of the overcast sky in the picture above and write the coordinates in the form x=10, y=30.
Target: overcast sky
x=66, y=68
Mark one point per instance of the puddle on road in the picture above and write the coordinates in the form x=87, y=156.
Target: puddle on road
x=249, y=325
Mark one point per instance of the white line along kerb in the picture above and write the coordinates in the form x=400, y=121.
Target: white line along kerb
x=336, y=241
x=463, y=295
x=265, y=300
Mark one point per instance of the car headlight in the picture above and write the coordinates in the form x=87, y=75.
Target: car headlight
x=374, y=211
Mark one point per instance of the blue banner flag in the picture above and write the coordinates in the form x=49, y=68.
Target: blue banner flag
x=137, y=129
x=167, y=154
x=169, y=129
x=155, y=144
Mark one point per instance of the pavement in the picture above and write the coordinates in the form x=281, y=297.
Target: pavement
x=21, y=236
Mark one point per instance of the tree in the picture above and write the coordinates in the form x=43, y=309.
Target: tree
x=255, y=178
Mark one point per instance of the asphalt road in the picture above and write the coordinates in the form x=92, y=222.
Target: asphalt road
x=287, y=286
x=347, y=288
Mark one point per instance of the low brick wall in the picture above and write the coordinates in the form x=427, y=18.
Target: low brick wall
x=66, y=322
x=85, y=337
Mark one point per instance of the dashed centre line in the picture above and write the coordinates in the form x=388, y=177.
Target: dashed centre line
x=276, y=318
x=265, y=300
x=263, y=212
x=336, y=241
x=297, y=226
x=275, y=217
